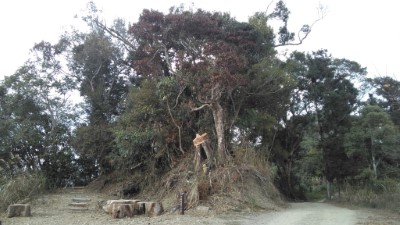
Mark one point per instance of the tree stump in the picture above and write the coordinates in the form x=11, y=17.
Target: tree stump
x=123, y=210
x=151, y=208
x=19, y=210
x=202, y=141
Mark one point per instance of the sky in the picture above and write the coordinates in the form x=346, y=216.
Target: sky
x=362, y=31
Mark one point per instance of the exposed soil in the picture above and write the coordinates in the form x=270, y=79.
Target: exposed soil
x=53, y=209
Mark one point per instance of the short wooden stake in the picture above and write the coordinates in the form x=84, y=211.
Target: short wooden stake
x=182, y=202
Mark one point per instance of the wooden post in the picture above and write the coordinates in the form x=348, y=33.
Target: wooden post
x=182, y=202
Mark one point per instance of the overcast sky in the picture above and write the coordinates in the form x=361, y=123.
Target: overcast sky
x=363, y=31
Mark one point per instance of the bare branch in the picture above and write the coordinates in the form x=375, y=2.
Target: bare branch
x=115, y=34
x=168, y=61
x=270, y=3
x=177, y=97
x=177, y=126
x=306, y=29
x=154, y=55
x=94, y=76
x=200, y=107
x=236, y=110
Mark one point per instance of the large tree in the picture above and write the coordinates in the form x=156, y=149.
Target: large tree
x=219, y=63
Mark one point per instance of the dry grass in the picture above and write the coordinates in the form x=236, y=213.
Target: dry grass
x=381, y=194
x=245, y=182
x=19, y=188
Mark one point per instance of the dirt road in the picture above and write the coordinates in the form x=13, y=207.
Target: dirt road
x=309, y=214
x=324, y=214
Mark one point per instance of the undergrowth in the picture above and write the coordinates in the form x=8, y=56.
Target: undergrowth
x=14, y=189
x=245, y=181
x=382, y=194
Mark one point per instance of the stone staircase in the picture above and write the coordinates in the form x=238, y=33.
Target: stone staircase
x=79, y=203
x=79, y=206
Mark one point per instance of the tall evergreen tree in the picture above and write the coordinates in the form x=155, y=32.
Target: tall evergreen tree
x=99, y=68
x=327, y=94
x=373, y=140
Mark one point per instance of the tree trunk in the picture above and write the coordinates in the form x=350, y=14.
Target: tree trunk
x=289, y=176
x=197, y=158
x=328, y=189
x=219, y=121
x=208, y=151
x=374, y=166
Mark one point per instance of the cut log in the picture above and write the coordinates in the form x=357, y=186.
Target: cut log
x=108, y=207
x=153, y=209
x=19, y=210
x=141, y=207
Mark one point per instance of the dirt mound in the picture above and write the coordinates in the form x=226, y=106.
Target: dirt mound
x=244, y=183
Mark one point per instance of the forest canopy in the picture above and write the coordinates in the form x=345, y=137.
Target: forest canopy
x=147, y=88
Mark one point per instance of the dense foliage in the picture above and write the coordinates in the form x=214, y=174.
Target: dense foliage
x=147, y=89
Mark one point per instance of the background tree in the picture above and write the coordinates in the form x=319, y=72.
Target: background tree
x=99, y=67
x=38, y=117
x=325, y=85
x=373, y=140
x=389, y=89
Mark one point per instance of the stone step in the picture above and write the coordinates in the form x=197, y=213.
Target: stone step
x=76, y=192
x=73, y=209
x=78, y=200
x=79, y=187
x=79, y=204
